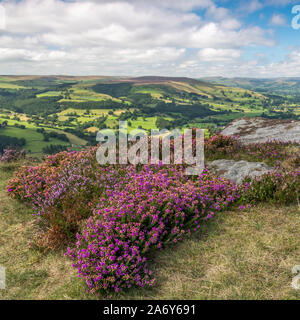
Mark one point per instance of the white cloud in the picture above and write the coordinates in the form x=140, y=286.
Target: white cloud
x=248, y=7
x=211, y=54
x=278, y=20
x=288, y=67
x=120, y=37
x=252, y=6
x=279, y=2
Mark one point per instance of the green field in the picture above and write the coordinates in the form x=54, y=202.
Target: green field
x=80, y=106
x=34, y=140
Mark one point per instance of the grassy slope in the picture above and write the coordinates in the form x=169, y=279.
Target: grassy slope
x=34, y=140
x=172, y=88
x=238, y=255
x=82, y=92
x=219, y=97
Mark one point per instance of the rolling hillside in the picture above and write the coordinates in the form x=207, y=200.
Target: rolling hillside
x=275, y=85
x=80, y=106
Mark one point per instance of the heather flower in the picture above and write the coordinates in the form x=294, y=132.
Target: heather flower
x=11, y=155
x=112, y=217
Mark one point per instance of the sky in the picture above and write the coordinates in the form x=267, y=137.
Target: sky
x=192, y=38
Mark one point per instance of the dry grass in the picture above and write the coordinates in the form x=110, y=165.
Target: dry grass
x=238, y=255
x=293, y=161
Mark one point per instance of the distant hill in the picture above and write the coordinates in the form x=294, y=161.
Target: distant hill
x=274, y=85
x=155, y=79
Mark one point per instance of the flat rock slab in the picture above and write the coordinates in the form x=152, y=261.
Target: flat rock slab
x=253, y=130
x=236, y=171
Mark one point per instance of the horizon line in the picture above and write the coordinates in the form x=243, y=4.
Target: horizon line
x=141, y=76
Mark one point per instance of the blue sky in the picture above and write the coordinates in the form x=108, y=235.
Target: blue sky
x=195, y=38
x=284, y=35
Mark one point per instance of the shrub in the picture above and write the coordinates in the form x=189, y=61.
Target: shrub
x=277, y=187
x=157, y=206
x=54, y=148
x=7, y=142
x=10, y=155
x=271, y=152
x=63, y=191
x=119, y=214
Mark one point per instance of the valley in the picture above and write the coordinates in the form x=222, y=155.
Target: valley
x=47, y=114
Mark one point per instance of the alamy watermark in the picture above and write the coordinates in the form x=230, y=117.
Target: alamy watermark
x=137, y=147
x=2, y=18
x=296, y=19
x=2, y=278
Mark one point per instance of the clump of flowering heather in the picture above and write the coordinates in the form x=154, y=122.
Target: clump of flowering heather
x=281, y=186
x=34, y=184
x=64, y=190
x=157, y=206
x=277, y=187
x=118, y=214
x=11, y=155
x=271, y=152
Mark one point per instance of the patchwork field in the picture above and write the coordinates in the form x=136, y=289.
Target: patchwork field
x=79, y=106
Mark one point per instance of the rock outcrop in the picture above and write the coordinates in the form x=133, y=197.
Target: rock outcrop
x=252, y=130
x=236, y=171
